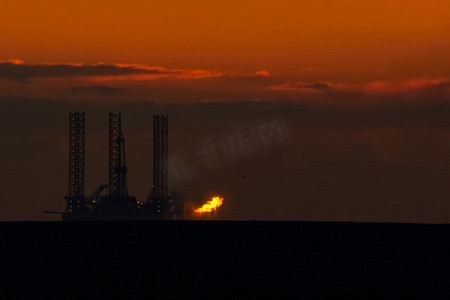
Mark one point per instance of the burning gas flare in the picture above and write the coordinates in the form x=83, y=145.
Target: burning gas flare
x=211, y=205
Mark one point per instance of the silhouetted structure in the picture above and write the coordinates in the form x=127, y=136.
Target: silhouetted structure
x=117, y=204
x=75, y=198
x=117, y=164
x=158, y=199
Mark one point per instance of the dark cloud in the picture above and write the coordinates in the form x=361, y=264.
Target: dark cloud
x=311, y=86
x=302, y=87
x=378, y=88
x=23, y=72
x=317, y=86
x=97, y=89
x=17, y=70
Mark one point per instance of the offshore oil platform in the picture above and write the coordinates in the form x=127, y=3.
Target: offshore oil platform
x=116, y=204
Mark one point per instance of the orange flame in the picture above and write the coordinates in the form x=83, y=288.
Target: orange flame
x=211, y=205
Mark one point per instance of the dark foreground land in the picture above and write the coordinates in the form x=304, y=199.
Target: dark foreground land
x=223, y=260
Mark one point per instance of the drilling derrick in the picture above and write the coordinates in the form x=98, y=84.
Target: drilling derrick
x=159, y=198
x=117, y=163
x=75, y=199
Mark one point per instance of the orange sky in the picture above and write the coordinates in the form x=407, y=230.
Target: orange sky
x=364, y=87
x=349, y=40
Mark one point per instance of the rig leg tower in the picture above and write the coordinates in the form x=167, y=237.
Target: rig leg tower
x=159, y=200
x=76, y=201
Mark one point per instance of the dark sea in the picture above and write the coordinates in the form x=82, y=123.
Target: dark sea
x=223, y=260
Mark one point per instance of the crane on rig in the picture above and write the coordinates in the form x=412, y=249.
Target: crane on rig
x=93, y=197
x=91, y=200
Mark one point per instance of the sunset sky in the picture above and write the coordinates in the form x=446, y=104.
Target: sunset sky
x=361, y=87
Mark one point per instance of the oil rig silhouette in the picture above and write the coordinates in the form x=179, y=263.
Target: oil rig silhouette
x=116, y=204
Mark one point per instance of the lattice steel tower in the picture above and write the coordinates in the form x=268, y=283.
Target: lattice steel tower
x=75, y=198
x=117, y=164
x=160, y=161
